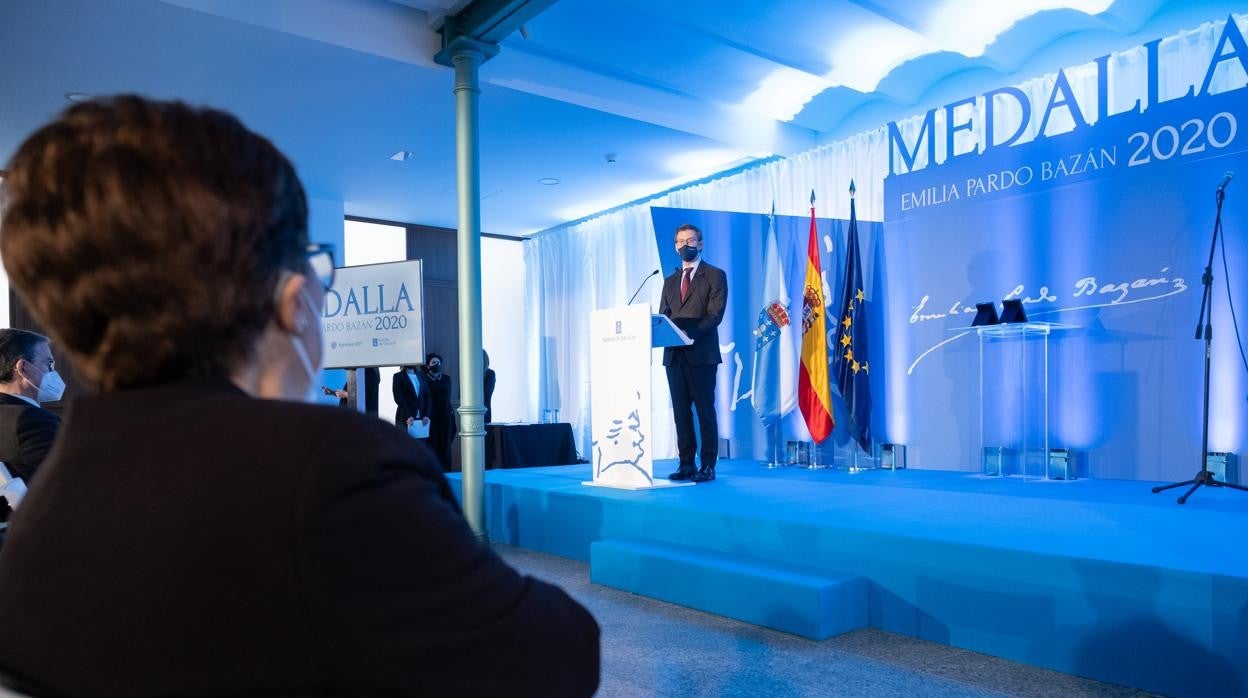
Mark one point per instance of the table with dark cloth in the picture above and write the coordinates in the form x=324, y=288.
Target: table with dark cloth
x=528, y=445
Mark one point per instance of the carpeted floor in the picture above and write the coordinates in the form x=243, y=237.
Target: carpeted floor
x=651, y=648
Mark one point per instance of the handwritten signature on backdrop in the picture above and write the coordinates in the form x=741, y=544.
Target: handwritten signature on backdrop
x=1087, y=293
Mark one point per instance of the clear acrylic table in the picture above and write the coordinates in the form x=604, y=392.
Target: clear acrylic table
x=1014, y=398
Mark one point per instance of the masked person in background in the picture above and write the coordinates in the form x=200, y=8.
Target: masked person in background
x=411, y=398
x=196, y=529
x=694, y=298
x=27, y=377
x=442, y=427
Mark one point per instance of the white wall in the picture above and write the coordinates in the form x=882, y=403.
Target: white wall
x=502, y=311
x=325, y=226
x=373, y=243
x=503, y=326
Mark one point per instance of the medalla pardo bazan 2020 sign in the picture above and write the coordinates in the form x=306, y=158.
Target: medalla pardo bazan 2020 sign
x=374, y=316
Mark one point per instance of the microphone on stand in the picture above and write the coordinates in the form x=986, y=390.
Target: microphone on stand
x=643, y=285
x=1226, y=179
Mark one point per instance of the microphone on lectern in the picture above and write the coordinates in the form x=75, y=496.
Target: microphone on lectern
x=643, y=284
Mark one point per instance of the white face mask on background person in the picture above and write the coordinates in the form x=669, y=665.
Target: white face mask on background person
x=51, y=387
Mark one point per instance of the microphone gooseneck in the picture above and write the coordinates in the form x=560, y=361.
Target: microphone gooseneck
x=643, y=285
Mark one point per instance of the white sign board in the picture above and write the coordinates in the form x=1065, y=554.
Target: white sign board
x=619, y=368
x=375, y=316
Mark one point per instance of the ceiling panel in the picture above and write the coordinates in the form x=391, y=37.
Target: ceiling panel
x=675, y=90
x=615, y=39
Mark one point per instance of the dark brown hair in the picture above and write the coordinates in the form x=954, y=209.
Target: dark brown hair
x=689, y=226
x=15, y=345
x=147, y=237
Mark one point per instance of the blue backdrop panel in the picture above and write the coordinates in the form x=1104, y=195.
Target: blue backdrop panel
x=734, y=242
x=1105, y=227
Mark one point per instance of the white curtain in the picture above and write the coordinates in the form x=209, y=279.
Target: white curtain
x=596, y=263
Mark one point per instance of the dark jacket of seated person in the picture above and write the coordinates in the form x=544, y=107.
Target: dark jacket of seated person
x=197, y=530
x=190, y=538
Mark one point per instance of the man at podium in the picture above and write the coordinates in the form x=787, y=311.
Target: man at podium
x=694, y=298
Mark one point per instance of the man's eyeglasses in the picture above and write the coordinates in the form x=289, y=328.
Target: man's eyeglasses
x=321, y=262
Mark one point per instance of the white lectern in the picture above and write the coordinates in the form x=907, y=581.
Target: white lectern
x=619, y=371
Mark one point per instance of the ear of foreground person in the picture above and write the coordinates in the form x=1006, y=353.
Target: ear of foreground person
x=191, y=539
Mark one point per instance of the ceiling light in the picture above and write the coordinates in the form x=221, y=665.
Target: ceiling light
x=548, y=181
x=77, y=97
x=402, y=155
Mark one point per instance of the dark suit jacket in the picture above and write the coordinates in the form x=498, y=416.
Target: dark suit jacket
x=26, y=435
x=698, y=315
x=372, y=383
x=190, y=539
x=409, y=403
x=487, y=389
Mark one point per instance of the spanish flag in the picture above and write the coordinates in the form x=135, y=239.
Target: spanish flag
x=812, y=387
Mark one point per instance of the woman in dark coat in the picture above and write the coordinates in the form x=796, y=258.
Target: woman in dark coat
x=411, y=397
x=342, y=566
x=442, y=427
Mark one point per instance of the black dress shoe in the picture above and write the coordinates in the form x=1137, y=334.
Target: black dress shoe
x=684, y=473
x=705, y=474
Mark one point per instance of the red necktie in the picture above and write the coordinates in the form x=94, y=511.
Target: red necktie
x=684, y=284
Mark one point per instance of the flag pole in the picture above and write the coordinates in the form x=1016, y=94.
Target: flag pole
x=812, y=462
x=773, y=431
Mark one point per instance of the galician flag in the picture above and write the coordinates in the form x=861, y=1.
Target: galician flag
x=774, y=392
x=812, y=388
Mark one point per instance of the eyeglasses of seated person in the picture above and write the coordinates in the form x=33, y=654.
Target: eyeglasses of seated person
x=184, y=536
x=321, y=263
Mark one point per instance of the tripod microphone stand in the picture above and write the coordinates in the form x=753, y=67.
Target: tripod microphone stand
x=1204, y=330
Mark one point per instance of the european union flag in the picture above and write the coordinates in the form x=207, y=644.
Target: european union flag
x=849, y=362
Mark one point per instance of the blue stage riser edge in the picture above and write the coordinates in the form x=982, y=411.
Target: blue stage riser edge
x=1161, y=630
x=813, y=604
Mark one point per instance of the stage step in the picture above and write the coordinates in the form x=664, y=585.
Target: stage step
x=812, y=603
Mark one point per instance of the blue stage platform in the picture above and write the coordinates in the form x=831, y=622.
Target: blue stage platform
x=1099, y=578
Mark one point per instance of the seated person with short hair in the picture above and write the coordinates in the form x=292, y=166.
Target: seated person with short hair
x=197, y=530
x=27, y=377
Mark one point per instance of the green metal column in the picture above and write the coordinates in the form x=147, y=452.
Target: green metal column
x=467, y=60
x=470, y=38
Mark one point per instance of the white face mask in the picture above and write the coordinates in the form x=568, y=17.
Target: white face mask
x=51, y=387
x=312, y=394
